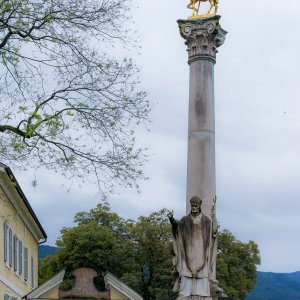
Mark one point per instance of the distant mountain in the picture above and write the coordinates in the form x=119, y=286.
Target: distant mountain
x=294, y=276
x=276, y=286
x=45, y=250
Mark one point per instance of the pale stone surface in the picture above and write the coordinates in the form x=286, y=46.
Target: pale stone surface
x=195, y=298
x=192, y=237
x=84, y=285
x=201, y=179
x=202, y=37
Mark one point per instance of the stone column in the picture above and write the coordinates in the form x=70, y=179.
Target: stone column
x=202, y=37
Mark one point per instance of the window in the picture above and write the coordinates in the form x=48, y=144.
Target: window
x=10, y=254
x=8, y=257
x=5, y=230
x=9, y=297
x=20, y=257
x=25, y=263
x=16, y=253
x=32, y=272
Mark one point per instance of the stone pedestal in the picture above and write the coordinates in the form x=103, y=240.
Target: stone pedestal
x=202, y=37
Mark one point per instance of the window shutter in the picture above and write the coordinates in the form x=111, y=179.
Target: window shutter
x=15, y=244
x=5, y=297
x=20, y=257
x=25, y=263
x=5, y=242
x=32, y=272
x=10, y=246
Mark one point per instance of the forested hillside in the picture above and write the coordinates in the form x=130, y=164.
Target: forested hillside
x=45, y=250
x=276, y=286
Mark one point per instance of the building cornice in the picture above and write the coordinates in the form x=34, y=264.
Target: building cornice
x=11, y=286
x=47, y=286
x=112, y=281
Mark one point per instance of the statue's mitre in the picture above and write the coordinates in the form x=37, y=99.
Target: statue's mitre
x=196, y=200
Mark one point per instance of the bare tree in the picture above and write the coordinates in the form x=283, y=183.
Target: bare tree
x=66, y=104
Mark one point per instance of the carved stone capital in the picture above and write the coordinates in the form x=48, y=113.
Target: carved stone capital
x=202, y=37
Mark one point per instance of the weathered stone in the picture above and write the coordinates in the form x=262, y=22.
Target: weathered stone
x=84, y=286
x=192, y=236
x=202, y=37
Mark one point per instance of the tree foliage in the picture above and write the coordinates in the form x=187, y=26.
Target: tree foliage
x=236, y=265
x=140, y=253
x=137, y=252
x=152, y=238
x=100, y=240
x=66, y=103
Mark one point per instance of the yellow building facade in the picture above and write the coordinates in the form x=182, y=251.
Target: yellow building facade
x=20, y=235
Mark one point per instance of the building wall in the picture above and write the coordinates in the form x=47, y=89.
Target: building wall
x=115, y=295
x=10, y=281
x=52, y=294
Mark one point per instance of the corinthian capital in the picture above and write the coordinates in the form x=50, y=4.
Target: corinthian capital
x=202, y=37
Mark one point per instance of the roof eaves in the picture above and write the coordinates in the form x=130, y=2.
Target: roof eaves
x=46, y=286
x=22, y=195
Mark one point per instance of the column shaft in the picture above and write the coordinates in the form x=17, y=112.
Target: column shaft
x=201, y=178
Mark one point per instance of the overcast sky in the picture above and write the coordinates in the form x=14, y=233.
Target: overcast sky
x=257, y=129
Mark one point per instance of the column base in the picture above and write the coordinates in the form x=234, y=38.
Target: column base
x=215, y=291
x=204, y=298
x=194, y=298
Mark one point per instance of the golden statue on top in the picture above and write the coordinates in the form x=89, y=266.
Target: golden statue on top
x=195, y=8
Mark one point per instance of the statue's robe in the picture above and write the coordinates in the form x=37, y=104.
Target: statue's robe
x=192, y=254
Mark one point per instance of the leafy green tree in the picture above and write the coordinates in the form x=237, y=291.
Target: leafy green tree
x=153, y=247
x=236, y=265
x=99, y=240
x=67, y=104
x=140, y=253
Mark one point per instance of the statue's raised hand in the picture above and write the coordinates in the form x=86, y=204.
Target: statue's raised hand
x=170, y=214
